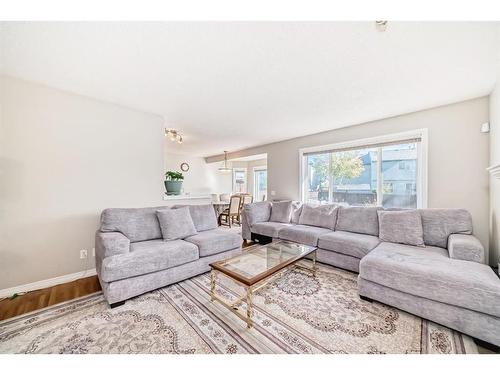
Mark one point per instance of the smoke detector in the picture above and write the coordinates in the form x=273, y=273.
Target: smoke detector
x=381, y=25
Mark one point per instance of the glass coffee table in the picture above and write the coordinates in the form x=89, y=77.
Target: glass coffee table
x=254, y=268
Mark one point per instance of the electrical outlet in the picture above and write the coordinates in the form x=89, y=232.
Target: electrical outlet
x=83, y=254
x=93, y=251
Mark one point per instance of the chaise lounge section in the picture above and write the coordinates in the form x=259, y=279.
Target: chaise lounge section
x=440, y=277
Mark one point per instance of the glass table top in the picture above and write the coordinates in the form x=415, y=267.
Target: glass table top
x=262, y=261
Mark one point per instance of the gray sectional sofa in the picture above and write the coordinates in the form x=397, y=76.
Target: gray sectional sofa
x=436, y=270
x=133, y=258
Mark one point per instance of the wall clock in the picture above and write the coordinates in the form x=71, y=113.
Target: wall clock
x=184, y=167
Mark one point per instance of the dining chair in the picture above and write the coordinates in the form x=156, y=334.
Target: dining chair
x=245, y=198
x=231, y=214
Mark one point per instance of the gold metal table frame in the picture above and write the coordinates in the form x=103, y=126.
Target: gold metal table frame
x=251, y=289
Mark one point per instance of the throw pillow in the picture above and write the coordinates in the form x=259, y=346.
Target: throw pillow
x=281, y=212
x=358, y=219
x=176, y=223
x=257, y=212
x=320, y=216
x=403, y=227
x=203, y=216
x=296, y=211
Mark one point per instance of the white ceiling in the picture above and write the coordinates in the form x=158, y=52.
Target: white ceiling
x=228, y=86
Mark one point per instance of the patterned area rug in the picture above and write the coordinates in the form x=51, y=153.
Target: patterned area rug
x=294, y=313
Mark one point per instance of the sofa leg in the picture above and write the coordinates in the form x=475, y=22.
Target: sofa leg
x=487, y=345
x=116, y=304
x=365, y=298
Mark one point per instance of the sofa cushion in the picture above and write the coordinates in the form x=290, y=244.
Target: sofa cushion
x=269, y=228
x=137, y=224
x=146, y=257
x=319, y=216
x=353, y=244
x=362, y=220
x=429, y=272
x=304, y=234
x=296, y=211
x=439, y=223
x=257, y=212
x=203, y=216
x=281, y=212
x=176, y=223
x=403, y=227
x=215, y=241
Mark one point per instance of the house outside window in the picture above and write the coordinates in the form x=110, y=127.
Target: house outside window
x=351, y=173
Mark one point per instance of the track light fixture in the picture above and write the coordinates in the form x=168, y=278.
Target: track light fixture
x=173, y=135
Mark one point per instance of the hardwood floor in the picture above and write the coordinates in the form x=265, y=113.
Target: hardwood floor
x=39, y=299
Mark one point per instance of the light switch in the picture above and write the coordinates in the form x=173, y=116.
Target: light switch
x=273, y=193
x=485, y=128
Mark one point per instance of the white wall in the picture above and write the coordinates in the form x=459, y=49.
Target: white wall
x=458, y=155
x=63, y=159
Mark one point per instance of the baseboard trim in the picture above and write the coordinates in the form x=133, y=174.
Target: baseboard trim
x=47, y=283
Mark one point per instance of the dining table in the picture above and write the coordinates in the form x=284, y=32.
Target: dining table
x=220, y=206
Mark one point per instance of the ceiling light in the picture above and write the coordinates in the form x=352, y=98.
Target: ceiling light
x=225, y=168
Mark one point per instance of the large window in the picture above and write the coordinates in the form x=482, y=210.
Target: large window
x=352, y=174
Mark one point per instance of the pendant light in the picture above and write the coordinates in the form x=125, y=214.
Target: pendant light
x=225, y=168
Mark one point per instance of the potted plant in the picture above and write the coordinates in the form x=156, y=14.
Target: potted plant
x=173, y=182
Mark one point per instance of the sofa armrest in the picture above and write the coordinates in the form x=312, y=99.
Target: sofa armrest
x=110, y=243
x=246, y=231
x=465, y=247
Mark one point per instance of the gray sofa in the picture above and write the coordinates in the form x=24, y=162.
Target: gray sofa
x=446, y=281
x=132, y=258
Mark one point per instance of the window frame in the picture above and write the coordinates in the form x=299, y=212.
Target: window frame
x=255, y=178
x=239, y=169
x=422, y=160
